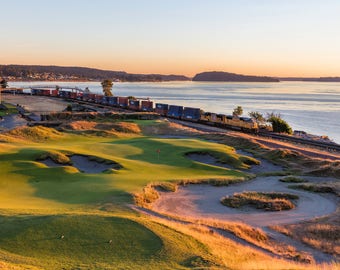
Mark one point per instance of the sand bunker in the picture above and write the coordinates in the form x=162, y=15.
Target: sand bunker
x=85, y=164
x=203, y=202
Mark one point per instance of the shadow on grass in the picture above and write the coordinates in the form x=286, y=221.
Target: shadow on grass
x=64, y=184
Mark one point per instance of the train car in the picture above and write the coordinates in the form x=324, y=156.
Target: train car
x=123, y=102
x=98, y=98
x=147, y=106
x=105, y=100
x=241, y=123
x=212, y=118
x=134, y=104
x=45, y=92
x=35, y=92
x=80, y=95
x=161, y=109
x=55, y=93
x=112, y=101
x=64, y=94
x=191, y=114
x=175, y=111
x=73, y=95
x=89, y=97
x=40, y=92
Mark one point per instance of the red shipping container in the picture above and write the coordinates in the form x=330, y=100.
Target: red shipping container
x=54, y=93
x=147, y=106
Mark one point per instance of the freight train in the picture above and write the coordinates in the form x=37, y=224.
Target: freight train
x=145, y=105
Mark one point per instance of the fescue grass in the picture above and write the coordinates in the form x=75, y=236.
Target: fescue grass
x=318, y=188
x=269, y=201
x=56, y=156
x=35, y=134
x=292, y=179
x=237, y=256
x=320, y=235
x=39, y=205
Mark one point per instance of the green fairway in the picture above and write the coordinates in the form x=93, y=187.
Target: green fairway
x=40, y=204
x=62, y=186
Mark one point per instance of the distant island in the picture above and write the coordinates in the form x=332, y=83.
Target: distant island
x=62, y=73
x=219, y=76
x=59, y=73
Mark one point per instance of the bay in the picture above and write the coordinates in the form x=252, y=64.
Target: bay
x=310, y=106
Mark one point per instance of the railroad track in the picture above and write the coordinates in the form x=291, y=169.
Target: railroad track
x=205, y=127
x=324, y=145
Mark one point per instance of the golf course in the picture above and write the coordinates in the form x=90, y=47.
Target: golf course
x=75, y=199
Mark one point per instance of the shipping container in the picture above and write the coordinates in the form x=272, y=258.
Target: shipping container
x=161, y=109
x=35, y=91
x=54, y=93
x=64, y=94
x=123, y=102
x=192, y=114
x=105, y=100
x=80, y=95
x=134, y=104
x=98, y=99
x=147, y=106
x=73, y=95
x=112, y=101
x=175, y=111
x=89, y=97
x=45, y=92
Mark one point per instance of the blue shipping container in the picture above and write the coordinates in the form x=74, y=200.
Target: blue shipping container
x=175, y=111
x=193, y=114
x=112, y=101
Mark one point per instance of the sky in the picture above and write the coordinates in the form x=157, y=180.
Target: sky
x=255, y=37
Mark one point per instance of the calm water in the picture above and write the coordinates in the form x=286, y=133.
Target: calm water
x=310, y=106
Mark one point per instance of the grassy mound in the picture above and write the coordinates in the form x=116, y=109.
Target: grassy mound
x=268, y=201
x=292, y=179
x=56, y=156
x=102, y=129
x=232, y=159
x=85, y=239
x=35, y=134
x=319, y=188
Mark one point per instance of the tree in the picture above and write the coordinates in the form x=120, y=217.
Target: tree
x=279, y=125
x=238, y=111
x=259, y=118
x=107, y=88
x=3, y=83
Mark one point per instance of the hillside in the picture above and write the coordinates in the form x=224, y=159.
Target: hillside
x=219, y=76
x=36, y=72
